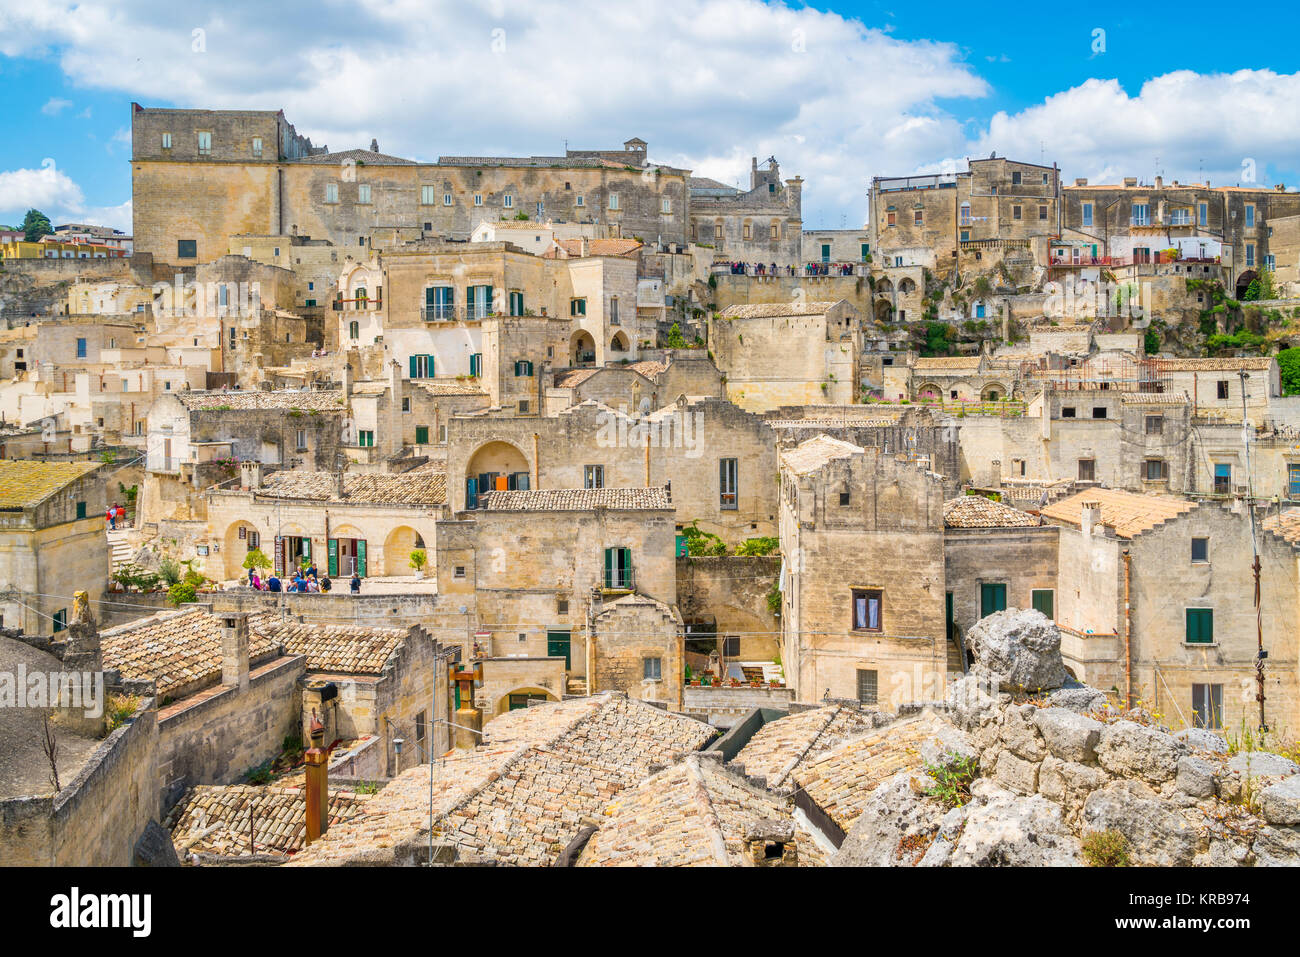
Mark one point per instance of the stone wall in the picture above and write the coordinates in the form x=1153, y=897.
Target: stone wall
x=730, y=592
x=722, y=707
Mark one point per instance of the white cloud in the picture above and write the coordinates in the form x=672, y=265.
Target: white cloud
x=52, y=191
x=54, y=106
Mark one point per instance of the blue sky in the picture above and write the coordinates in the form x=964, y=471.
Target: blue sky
x=838, y=92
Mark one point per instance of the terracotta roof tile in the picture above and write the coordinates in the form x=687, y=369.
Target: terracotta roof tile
x=776, y=310
x=579, y=500
x=214, y=819
x=809, y=456
x=1285, y=524
x=781, y=746
x=25, y=483
x=976, y=511
x=420, y=486
x=1129, y=514
x=326, y=400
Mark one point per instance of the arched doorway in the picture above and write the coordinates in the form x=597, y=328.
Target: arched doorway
x=398, y=546
x=884, y=310
x=519, y=698
x=582, y=349
x=618, y=343
x=240, y=539
x=495, y=466
x=994, y=392
x=1244, y=281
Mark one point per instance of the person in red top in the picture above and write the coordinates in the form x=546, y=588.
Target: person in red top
x=111, y=515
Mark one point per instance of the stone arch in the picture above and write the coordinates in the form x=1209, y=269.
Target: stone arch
x=398, y=546
x=1244, y=281
x=884, y=310
x=582, y=349
x=930, y=390
x=618, y=343
x=503, y=703
x=906, y=286
x=885, y=287
x=234, y=547
x=993, y=391
x=490, y=461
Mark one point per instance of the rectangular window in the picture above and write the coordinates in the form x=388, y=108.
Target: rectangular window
x=363, y=193
x=366, y=439
x=618, y=568
x=1180, y=217
x=1156, y=470
x=731, y=646
x=993, y=597
x=442, y=434
x=257, y=146
x=1207, y=706
x=516, y=303
x=508, y=201
x=728, y=483
x=652, y=669
x=331, y=192
x=577, y=307
x=613, y=200
x=523, y=368
x=578, y=200
x=666, y=206
x=81, y=348
x=891, y=219
x=421, y=435
x=1250, y=215
x=428, y=195
x=1200, y=549
x=420, y=722
x=1042, y=212
x=1222, y=478
x=593, y=476
x=866, y=251
x=918, y=217
x=60, y=619
x=205, y=144
x=868, y=686
x=1250, y=254
x=476, y=364
x=1015, y=212
x=1044, y=600
x=1202, y=214
x=167, y=141
x=1222, y=388
x=613, y=311
x=1293, y=480
x=301, y=440
x=1099, y=412
x=1155, y=424
x=439, y=303
x=1015, y=179
x=1141, y=214
x=1087, y=214
x=187, y=248
x=420, y=366
x=866, y=610
x=81, y=510
x=478, y=199
x=1087, y=470
x=1200, y=626
x=446, y=199
x=478, y=302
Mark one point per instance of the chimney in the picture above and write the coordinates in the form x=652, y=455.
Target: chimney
x=374, y=145
x=347, y=380
x=340, y=483
x=317, y=781
x=584, y=247
x=1160, y=182
x=234, y=650
x=995, y=477
x=668, y=491
x=250, y=475
x=1089, y=518
x=1130, y=180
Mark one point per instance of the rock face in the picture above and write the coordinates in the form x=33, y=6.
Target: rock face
x=1002, y=828
x=1021, y=647
x=899, y=810
x=1135, y=750
x=1260, y=764
x=155, y=848
x=1069, y=736
x=1280, y=803
x=1157, y=836
x=1201, y=740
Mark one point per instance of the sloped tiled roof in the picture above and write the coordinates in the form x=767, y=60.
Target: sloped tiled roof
x=976, y=511
x=342, y=649
x=1230, y=364
x=451, y=388
x=841, y=780
x=572, y=377
x=809, y=456
x=692, y=814
x=1286, y=524
x=599, y=247
x=326, y=400
x=1128, y=513
x=24, y=483
x=366, y=157
x=179, y=650
x=775, y=310
x=524, y=794
x=780, y=746
x=420, y=486
x=214, y=819
x=1154, y=398
x=579, y=499
x=946, y=363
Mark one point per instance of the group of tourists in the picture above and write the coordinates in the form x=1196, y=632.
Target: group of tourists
x=304, y=581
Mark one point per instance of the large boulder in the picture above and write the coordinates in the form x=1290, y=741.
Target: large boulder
x=896, y=824
x=1262, y=764
x=1277, y=847
x=1134, y=750
x=1005, y=829
x=1196, y=777
x=1022, y=647
x=1157, y=835
x=1068, y=735
x=1280, y=803
x=1077, y=697
x=1202, y=740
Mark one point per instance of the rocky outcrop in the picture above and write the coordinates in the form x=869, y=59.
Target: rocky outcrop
x=1021, y=647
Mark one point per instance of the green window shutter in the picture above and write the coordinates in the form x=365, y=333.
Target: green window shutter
x=609, y=568
x=421, y=435
x=1043, y=600
x=333, y=546
x=81, y=510
x=306, y=548
x=469, y=300
x=429, y=297
x=626, y=573
x=412, y=360
x=361, y=557
x=490, y=300
x=1200, y=626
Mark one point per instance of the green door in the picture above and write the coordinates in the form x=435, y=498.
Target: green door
x=421, y=435
x=1043, y=599
x=826, y=252
x=333, y=548
x=361, y=557
x=947, y=601
x=993, y=597
x=557, y=643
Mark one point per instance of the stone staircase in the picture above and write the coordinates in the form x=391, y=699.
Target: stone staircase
x=120, y=549
x=575, y=686
x=955, y=665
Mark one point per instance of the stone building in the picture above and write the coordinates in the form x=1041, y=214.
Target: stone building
x=1144, y=219
x=763, y=224
x=52, y=541
x=605, y=606
x=1186, y=647
x=752, y=348
x=344, y=522
x=200, y=177
x=862, y=613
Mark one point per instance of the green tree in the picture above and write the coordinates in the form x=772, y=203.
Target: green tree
x=35, y=225
x=1288, y=360
x=256, y=558
x=1151, y=342
x=675, y=338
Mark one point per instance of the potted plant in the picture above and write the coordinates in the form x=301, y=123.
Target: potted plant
x=419, y=558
